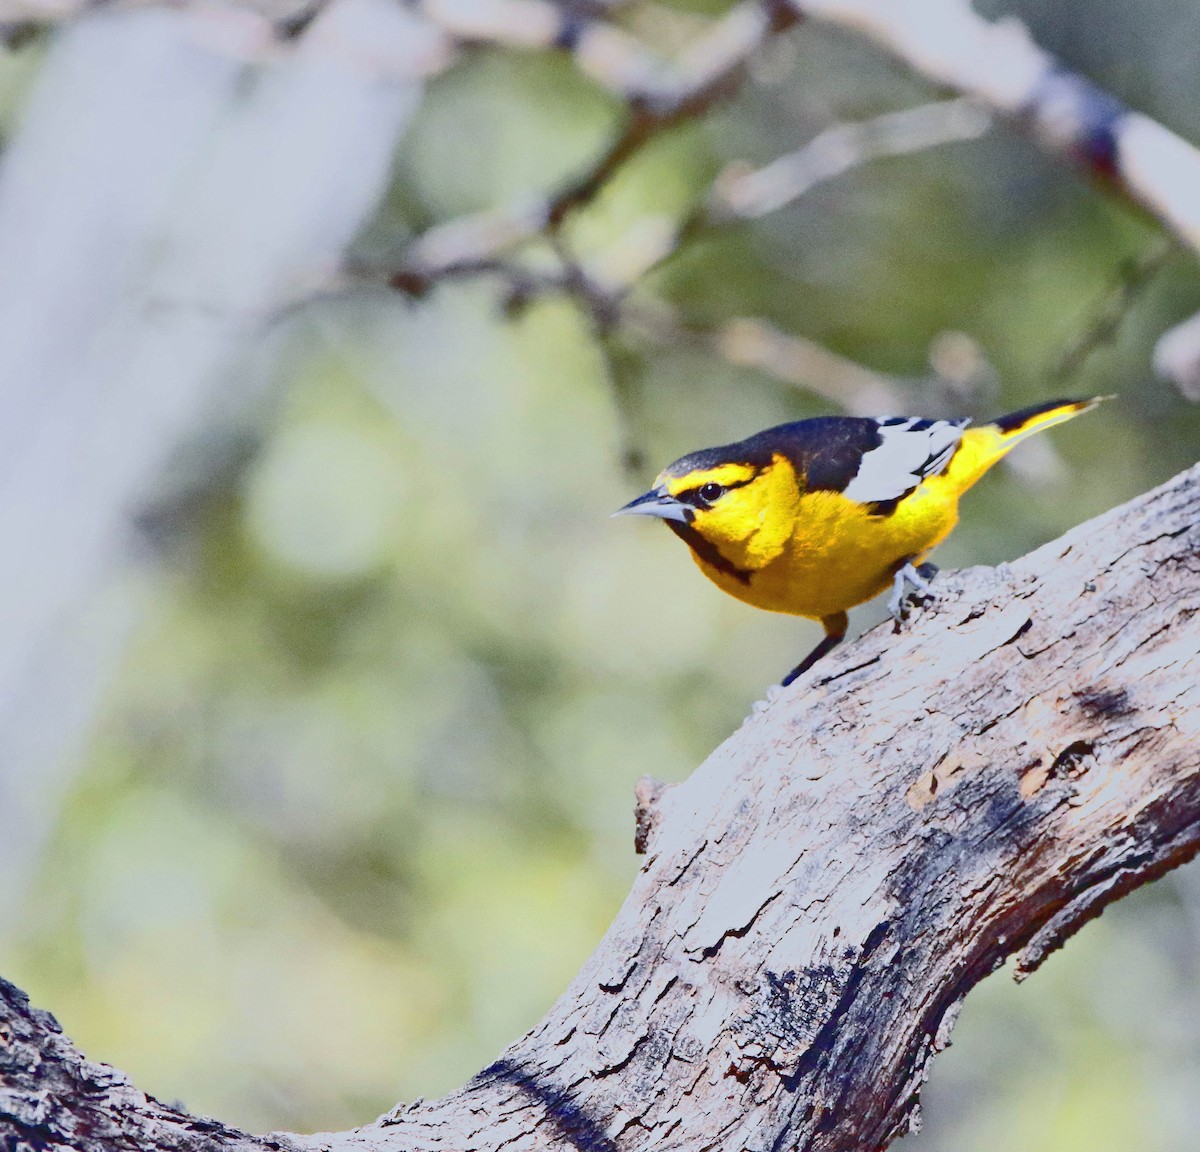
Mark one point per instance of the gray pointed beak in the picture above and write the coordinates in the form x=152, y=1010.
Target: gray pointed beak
x=657, y=503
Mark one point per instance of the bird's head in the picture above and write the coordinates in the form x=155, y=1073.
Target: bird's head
x=739, y=498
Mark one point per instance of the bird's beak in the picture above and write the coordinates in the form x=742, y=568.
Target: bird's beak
x=658, y=503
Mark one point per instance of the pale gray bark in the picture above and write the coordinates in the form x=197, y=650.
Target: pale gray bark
x=820, y=896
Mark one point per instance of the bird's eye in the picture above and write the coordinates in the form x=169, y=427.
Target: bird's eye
x=711, y=492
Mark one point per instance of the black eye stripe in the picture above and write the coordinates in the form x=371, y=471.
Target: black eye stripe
x=692, y=495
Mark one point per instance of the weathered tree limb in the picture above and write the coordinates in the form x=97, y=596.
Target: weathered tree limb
x=821, y=894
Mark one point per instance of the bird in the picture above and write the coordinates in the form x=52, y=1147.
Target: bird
x=816, y=516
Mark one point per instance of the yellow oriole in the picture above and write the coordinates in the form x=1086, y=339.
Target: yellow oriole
x=814, y=517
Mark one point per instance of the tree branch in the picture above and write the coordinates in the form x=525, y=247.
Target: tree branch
x=741, y=193
x=820, y=896
x=998, y=64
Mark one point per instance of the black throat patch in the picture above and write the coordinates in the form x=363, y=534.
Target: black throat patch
x=708, y=552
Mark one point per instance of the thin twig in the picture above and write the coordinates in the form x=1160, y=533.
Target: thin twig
x=741, y=194
x=1130, y=283
x=749, y=195
x=624, y=370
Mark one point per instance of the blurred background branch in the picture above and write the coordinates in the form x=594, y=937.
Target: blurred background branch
x=995, y=63
x=1000, y=65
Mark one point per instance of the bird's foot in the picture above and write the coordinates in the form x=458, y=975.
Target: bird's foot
x=915, y=578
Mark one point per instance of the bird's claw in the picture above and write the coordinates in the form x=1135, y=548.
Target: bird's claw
x=914, y=578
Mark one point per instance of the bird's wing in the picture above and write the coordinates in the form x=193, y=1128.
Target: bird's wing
x=909, y=451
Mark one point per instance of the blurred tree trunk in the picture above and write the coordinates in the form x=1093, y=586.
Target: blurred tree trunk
x=820, y=895
x=161, y=201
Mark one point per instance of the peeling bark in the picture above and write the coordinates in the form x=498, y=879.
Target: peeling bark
x=820, y=896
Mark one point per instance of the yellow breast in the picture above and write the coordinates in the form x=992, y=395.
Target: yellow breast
x=837, y=554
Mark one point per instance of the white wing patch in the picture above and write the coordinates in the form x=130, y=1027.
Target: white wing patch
x=911, y=450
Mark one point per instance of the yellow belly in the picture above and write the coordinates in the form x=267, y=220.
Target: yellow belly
x=839, y=555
